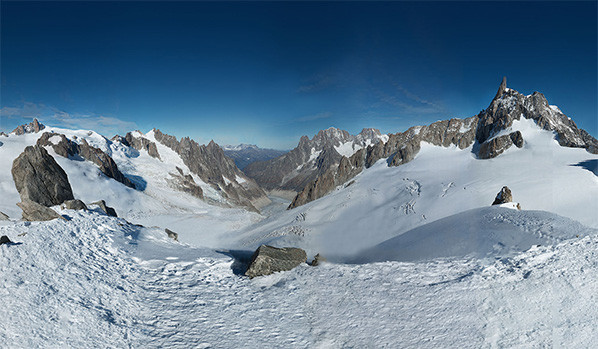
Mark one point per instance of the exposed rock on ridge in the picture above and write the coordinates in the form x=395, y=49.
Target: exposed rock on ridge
x=68, y=148
x=510, y=105
x=211, y=165
x=141, y=143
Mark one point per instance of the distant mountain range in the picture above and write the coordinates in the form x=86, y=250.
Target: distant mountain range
x=245, y=154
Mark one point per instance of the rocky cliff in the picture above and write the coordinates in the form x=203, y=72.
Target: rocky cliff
x=311, y=158
x=211, y=164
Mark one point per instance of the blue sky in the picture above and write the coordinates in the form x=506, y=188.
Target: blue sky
x=267, y=73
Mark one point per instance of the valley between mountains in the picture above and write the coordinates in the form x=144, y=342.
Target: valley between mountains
x=411, y=251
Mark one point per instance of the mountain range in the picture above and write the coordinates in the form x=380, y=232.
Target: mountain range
x=148, y=236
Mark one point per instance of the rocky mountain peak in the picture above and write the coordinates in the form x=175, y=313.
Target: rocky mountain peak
x=33, y=127
x=510, y=105
x=502, y=88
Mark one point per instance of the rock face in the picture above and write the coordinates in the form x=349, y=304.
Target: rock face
x=74, y=205
x=172, y=234
x=496, y=146
x=245, y=154
x=509, y=105
x=140, y=142
x=32, y=127
x=267, y=260
x=32, y=211
x=210, y=164
x=310, y=159
x=481, y=130
x=4, y=216
x=69, y=149
x=39, y=178
x=399, y=149
x=503, y=196
x=105, y=208
x=186, y=183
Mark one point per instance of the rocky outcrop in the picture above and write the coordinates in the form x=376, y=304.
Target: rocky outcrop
x=69, y=149
x=32, y=211
x=267, y=260
x=74, y=205
x=185, y=183
x=140, y=142
x=4, y=216
x=5, y=240
x=311, y=158
x=503, y=196
x=497, y=145
x=318, y=259
x=32, y=127
x=171, y=234
x=105, y=208
x=210, y=164
x=39, y=178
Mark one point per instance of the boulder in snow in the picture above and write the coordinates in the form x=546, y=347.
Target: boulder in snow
x=106, y=209
x=74, y=205
x=32, y=211
x=4, y=240
x=503, y=196
x=172, y=234
x=267, y=260
x=39, y=178
x=318, y=259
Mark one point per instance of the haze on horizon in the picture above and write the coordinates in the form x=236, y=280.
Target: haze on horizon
x=266, y=73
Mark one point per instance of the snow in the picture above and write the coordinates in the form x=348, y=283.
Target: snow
x=54, y=139
x=496, y=231
x=97, y=281
x=240, y=179
x=385, y=202
x=347, y=149
x=154, y=204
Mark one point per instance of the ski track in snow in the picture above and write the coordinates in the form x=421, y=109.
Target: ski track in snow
x=121, y=285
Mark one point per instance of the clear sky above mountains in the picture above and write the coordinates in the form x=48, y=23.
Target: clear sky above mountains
x=267, y=73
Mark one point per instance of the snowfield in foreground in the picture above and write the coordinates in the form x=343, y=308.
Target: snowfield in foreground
x=97, y=281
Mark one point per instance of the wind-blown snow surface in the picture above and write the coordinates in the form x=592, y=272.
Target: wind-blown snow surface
x=96, y=281
x=384, y=202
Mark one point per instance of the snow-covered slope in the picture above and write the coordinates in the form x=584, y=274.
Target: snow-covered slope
x=156, y=201
x=483, y=232
x=95, y=281
x=384, y=202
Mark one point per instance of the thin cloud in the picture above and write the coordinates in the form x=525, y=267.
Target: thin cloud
x=316, y=83
x=52, y=116
x=319, y=116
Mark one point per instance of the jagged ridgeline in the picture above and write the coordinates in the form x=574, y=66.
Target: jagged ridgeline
x=488, y=133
